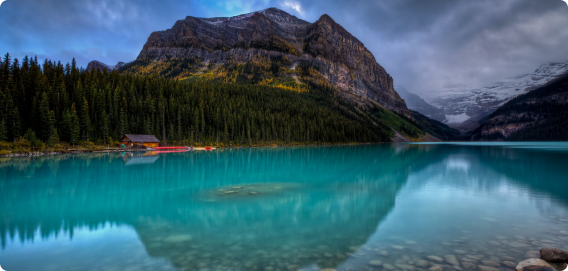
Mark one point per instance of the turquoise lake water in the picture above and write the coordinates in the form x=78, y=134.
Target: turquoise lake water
x=367, y=207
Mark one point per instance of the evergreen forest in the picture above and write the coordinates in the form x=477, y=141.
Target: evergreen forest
x=44, y=104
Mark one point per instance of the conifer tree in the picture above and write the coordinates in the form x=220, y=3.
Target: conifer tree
x=195, y=129
x=32, y=138
x=226, y=133
x=46, y=123
x=3, y=132
x=74, y=128
x=202, y=132
x=85, y=121
x=122, y=122
x=66, y=123
x=96, y=106
x=104, y=128
x=54, y=138
x=2, y=102
x=15, y=124
x=6, y=68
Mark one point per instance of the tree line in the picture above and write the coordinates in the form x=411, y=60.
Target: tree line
x=50, y=102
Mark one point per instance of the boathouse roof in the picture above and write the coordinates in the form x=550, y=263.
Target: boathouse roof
x=142, y=138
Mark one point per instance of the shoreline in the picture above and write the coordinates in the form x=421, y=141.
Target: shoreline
x=112, y=150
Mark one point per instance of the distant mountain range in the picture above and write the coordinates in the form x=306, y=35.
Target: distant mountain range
x=416, y=103
x=465, y=107
x=540, y=115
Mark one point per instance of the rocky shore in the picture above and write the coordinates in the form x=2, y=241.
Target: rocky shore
x=551, y=259
x=505, y=253
x=28, y=154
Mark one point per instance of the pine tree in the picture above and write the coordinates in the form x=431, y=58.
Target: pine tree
x=202, y=132
x=122, y=122
x=179, y=132
x=54, y=138
x=15, y=124
x=46, y=123
x=66, y=124
x=226, y=134
x=85, y=121
x=195, y=129
x=97, y=106
x=53, y=135
x=3, y=132
x=32, y=138
x=6, y=68
x=248, y=133
x=74, y=129
x=3, y=102
x=105, y=127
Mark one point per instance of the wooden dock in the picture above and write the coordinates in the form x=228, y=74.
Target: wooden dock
x=203, y=148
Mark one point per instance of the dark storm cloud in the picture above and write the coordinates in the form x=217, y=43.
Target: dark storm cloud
x=423, y=44
x=107, y=30
x=426, y=44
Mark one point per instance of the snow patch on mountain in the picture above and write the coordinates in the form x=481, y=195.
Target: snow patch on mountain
x=274, y=14
x=460, y=100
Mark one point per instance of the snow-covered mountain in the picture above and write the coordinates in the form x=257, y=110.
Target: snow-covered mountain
x=464, y=106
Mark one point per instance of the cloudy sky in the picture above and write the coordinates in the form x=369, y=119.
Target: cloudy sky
x=423, y=44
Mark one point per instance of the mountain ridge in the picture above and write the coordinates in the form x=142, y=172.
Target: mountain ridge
x=416, y=103
x=539, y=115
x=478, y=103
x=95, y=64
x=322, y=52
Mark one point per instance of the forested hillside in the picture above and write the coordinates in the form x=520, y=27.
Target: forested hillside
x=436, y=128
x=269, y=47
x=53, y=102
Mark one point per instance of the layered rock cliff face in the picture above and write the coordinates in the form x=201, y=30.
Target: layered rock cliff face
x=341, y=59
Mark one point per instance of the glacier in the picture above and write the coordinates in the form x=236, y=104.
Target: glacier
x=459, y=101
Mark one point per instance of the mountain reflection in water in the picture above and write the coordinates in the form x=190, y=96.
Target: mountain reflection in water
x=246, y=209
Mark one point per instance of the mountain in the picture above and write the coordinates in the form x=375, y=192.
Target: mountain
x=94, y=106
x=436, y=128
x=270, y=47
x=540, y=115
x=465, y=107
x=95, y=64
x=428, y=117
x=416, y=103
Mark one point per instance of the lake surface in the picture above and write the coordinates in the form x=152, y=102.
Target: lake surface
x=369, y=207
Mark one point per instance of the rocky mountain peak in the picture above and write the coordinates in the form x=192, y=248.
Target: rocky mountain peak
x=326, y=18
x=335, y=55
